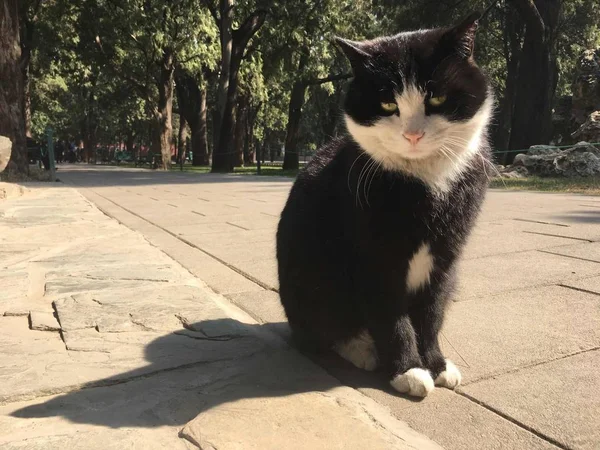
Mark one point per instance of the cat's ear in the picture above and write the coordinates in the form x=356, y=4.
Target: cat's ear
x=354, y=51
x=462, y=35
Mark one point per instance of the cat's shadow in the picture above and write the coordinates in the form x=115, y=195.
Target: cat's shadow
x=153, y=395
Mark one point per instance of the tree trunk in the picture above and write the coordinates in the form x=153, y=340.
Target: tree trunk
x=27, y=30
x=27, y=100
x=332, y=121
x=240, y=131
x=536, y=83
x=181, y=138
x=89, y=126
x=200, y=136
x=226, y=37
x=249, y=145
x=223, y=152
x=163, y=114
x=513, y=29
x=12, y=117
x=192, y=105
x=89, y=147
x=291, y=159
x=129, y=142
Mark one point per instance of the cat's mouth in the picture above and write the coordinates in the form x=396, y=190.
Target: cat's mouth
x=407, y=151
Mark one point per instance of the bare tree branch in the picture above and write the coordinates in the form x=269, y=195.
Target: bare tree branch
x=213, y=10
x=531, y=15
x=328, y=79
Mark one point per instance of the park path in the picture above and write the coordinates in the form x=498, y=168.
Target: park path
x=108, y=343
x=524, y=327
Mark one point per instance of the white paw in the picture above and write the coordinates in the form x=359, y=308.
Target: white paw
x=360, y=351
x=450, y=377
x=415, y=382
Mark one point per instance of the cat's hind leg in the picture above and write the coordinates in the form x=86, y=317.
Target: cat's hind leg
x=359, y=350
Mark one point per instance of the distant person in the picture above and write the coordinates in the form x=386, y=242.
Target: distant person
x=59, y=152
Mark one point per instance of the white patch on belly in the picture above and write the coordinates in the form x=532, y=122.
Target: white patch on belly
x=359, y=350
x=419, y=268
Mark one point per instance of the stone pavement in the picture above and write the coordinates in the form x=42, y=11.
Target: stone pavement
x=524, y=327
x=108, y=343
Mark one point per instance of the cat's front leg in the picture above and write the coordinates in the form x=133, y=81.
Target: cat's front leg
x=396, y=344
x=427, y=317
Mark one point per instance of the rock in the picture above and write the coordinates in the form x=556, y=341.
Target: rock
x=590, y=130
x=5, y=150
x=542, y=150
x=581, y=160
x=518, y=161
x=516, y=172
x=43, y=321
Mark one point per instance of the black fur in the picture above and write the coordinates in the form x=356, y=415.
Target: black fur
x=438, y=61
x=343, y=250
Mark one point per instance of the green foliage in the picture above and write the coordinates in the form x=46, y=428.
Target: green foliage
x=96, y=63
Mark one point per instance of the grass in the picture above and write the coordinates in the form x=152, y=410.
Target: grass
x=273, y=171
x=589, y=185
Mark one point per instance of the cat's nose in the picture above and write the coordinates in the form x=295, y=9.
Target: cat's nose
x=413, y=136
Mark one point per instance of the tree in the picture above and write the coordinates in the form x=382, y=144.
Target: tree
x=104, y=71
x=233, y=46
x=302, y=41
x=12, y=117
x=537, y=74
x=143, y=42
x=28, y=18
x=192, y=105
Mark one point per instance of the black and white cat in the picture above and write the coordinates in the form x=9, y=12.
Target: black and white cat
x=369, y=238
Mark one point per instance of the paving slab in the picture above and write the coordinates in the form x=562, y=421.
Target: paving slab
x=15, y=285
x=559, y=399
x=583, y=232
x=125, y=348
x=589, y=251
x=291, y=414
x=591, y=284
x=486, y=277
x=264, y=304
x=11, y=190
x=43, y=321
x=507, y=236
x=440, y=415
x=566, y=322
x=507, y=316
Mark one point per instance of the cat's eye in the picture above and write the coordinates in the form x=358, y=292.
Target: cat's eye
x=389, y=107
x=437, y=101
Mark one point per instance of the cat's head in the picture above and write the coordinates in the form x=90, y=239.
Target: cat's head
x=418, y=102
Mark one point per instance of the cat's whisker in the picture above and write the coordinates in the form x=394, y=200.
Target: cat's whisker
x=351, y=167
x=378, y=166
x=361, y=178
x=367, y=181
x=448, y=154
x=492, y=166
